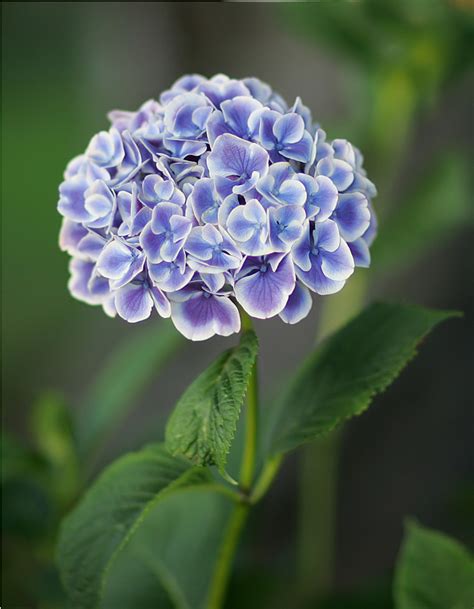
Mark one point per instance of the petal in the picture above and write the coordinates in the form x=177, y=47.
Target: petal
x=289, y=129
x=233, y=156
x=264, y=293
x=301, y=151
x=237, y=112
x=70, y=235
x=162, y=304
x=323, y=200
x=360, y=252
x=352, y=215
x=134, y=302
x=152, y=243
x=71, y=202
x=340, y=172
x=181, y=227
x=204, y=315
x=204, y=198
x=114, y=260
x=316, y=280
x=326, y=236
x=300, y=252
x=298, y=306
x=338, y=265
x=239, y=226
x=196, y=244
x=91, y=245
x=162, y=213
x=292, y=192
x=80, y=281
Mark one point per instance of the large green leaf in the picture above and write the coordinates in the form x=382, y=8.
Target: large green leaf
x=204, y=421
x=111, y=511
x=439, y=206
x=342, y=376
x=433, y=572
x=171, y=559
x=126, y=372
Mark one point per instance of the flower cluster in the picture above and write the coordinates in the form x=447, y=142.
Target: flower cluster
x=218, y=194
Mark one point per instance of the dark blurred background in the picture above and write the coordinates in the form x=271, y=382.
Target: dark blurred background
x=396, y=79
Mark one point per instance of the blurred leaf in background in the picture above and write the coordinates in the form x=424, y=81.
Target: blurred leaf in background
x=434, y=571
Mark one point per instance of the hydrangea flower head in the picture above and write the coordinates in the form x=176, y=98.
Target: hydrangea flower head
x=218, y=195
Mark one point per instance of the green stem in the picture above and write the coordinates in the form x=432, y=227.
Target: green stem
x=225, y=557
x=240, y=511
x=265, y=479
x=247, y=470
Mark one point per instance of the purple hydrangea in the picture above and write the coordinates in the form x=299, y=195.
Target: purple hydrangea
x=218, y=195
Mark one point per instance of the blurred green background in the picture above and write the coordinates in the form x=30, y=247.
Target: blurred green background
x=396, y=78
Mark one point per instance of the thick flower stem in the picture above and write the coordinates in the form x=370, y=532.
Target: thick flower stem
x=240, y=511
x=225, y=557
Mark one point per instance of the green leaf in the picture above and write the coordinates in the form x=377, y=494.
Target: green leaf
x=172, y=557
x=342, y=376
x=438, y=207
x=204, y=421
x=129, y=368
x=109, y=514
x=433, y=572
x=52, y=430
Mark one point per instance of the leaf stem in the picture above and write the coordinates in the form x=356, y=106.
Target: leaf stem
x=266, y=477
x=240, y=511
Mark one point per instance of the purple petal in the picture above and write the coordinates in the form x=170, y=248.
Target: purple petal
x=316, y=280
x=301, y=250
x=326, y=236
x=339, y=264
x=70, y=235
x=203, y=315
x=114, y=260
x=91, y=245
x=340, y=172
x=298, y=306
x=162, y=213
x=152, y=243
x=205, y=201
x=352, y=215
x=301, y=151
x=237, y=158
x=162, y=304
x=71, y=202
x=264, y=293
x=289, y=128
x=360, y=252
x=84, y=284
x=134, y=302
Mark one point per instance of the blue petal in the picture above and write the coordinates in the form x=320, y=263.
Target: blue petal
x=340, y=172
x=203, y=315
x=339, y=264
x=298, y=306
x=236, y=158
x=152, y=243
x=134, y=302
x=289, y=128
x=115, y=260
x=316, y=280
x=264, y=292
x=360, y=252
x=352, y=215
x=72, y=202
x=70, y=235
x=301, y=151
